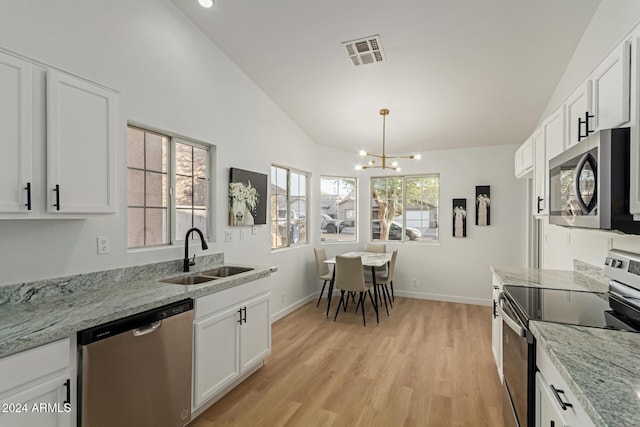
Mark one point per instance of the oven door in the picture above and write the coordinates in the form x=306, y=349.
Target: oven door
x=515, y=364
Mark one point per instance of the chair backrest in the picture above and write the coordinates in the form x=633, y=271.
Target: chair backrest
x=349, y=274
x=392, y=265
x=375, y=247
x=321, y=256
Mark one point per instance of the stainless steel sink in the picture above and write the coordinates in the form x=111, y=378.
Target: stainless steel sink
x=189, y=280
x=225, y=271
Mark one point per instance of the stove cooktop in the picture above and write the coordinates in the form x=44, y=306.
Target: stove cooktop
x=568, y=307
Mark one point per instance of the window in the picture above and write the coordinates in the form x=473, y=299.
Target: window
x=289, y=219
x=338, y=204
x=405, y=208
x=167, y=188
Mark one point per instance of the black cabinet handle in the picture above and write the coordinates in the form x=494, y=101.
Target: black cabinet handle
x=556, y=393
x=57, y=190
x=540, y=199
x=28, y=188
x=244, y=310
x=67, y=385
x=240, y=312
x=584, y=122
x=495, y=314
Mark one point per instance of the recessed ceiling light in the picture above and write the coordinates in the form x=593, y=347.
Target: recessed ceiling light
x=206, y=3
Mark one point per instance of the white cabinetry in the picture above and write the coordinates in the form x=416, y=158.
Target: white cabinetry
x=540, y=174
x=80, y=145
x=611, y=82
x=553, y=128
x=556, y=405
x=579, y=117
x=59, y=138
x=232, y=335
x=524, y=159
x=36, y=388
x=496, y=327
x=15, y=133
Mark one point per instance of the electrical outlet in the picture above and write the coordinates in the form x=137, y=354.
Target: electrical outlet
x=253, y=230
x=241, y=234
x=414, y=283
x=228, y=236
x=610, y=243
x=104, y=245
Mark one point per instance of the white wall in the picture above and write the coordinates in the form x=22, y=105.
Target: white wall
x=455, y=269
x=611, y=22
x=173, y=78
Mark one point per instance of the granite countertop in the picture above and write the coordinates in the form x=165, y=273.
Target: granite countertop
x=589, y=281
x=600, y=367
x=33, y=322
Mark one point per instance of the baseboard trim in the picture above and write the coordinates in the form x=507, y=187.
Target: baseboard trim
x=293, y=307
x=445, y=298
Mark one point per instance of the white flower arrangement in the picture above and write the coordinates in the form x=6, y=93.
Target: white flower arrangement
x=244, y=194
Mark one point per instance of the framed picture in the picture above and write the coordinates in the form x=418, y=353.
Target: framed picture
x=459, y=217
x=247, y=197
x=483, y=205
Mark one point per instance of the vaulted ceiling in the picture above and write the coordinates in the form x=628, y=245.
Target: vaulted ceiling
x=456, y=73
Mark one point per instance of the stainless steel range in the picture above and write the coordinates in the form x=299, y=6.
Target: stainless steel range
x=617, y=309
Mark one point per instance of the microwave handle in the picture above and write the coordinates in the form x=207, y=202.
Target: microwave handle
x=586, y=209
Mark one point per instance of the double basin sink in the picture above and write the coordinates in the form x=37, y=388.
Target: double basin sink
x=207, y=276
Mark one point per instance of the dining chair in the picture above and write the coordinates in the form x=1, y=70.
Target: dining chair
x=350, y=278
x=322, y=269
x=384, y=281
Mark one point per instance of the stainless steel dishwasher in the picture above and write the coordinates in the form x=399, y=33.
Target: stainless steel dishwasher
x=136, y=371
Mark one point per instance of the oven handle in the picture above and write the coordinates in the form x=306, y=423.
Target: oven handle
x=512, y=323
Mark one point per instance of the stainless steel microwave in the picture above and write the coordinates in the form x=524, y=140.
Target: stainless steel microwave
x=589, y=184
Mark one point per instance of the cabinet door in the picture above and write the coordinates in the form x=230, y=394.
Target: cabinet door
x=578, y=109
x=216, y=354
x=255, y=332
x=548, y=413
x=80, y=145
x=540, y=174
x=554, y=133
x=15, y=133
x=611, y=89
x=496, y=332
x=524, y=159
x=44, y=405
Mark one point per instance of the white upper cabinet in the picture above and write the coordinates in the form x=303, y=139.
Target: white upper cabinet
x=524, y=159
x=16, y=82
x=553, y=128
x=611, y=81
x=579, y=117
x=80, y=145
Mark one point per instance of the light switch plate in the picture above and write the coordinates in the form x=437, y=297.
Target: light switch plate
x=241, y=234
x=228, y=236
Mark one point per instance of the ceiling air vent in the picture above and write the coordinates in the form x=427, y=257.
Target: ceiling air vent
x=364, y=51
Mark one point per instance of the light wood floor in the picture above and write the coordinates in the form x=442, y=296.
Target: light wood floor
x=428, y=364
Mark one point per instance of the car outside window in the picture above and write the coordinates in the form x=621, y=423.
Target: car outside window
x=338, y=207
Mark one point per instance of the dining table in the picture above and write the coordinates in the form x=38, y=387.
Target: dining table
x=369, y=259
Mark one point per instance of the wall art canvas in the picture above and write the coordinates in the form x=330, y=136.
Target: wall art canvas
x=483, y=205
x=247, y=198
x=459, y=217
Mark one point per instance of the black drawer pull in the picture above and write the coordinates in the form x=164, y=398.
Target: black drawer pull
x=556, y=392
x=67, y=385
x=28, y=188
x=57, y=190
x=240, y=312
x=244, y=309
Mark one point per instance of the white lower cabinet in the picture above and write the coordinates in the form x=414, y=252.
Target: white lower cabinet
x=232, y=335
x=37, y=387
x=556, y=405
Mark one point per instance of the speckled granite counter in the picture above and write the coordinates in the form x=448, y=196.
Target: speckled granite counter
x=600, y=366
x=32, y=315
x=551, y=279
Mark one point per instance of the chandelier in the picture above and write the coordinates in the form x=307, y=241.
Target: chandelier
x=384, y=159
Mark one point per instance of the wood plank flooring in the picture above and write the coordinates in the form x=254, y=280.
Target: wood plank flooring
x=428, y=364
